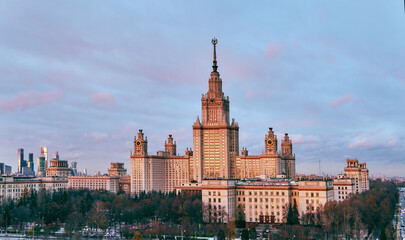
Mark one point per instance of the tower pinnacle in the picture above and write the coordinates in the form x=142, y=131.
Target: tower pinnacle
x=214, y=66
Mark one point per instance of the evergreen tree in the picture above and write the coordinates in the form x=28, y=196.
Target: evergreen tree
x=240, y=222
x=221, y=235
x=252, y=233
x=383, y=235
x=289, y=215
x=245, y=234
x=295, y=217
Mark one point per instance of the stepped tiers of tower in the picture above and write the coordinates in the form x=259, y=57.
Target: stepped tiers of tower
x=358, y=172
x=215, y=153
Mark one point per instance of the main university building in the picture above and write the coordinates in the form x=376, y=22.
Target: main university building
x=231, y=181
x=216, y=150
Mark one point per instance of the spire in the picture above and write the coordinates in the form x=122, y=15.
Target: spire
x=214, y=82
x=214, y=66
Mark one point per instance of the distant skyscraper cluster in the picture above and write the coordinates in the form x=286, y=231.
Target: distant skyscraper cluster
x=42, y=162
x=58, y=175
x=5, y=169
x=56, y=167
x=25, y=167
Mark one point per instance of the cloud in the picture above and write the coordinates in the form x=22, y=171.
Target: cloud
x=362, y=143
x=103, y=98
x=96, y=137
x=27, y=99
x=257, y=94
x=303, y=139
x=340, y=101
x=273, y=50
x=392, y=142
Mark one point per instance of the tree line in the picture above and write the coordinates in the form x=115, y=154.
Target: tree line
x=367, y=214
x=79, y=209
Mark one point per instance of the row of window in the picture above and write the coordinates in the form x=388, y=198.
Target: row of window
x=261, y=199
x=312, y=194
x=214, y=193
x=312, y=201
x=267, y=206
x=214, y=200
x=260, y=193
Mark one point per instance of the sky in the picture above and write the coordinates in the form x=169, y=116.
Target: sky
x=81, y=77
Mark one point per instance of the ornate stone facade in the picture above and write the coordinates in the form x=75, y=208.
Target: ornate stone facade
x=216, y=150
x=160, y=172
x=358, y=172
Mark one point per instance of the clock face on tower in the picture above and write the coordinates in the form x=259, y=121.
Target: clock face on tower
x=269, y=142
x=138, y=143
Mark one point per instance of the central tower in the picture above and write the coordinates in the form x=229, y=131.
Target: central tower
x=215, y=139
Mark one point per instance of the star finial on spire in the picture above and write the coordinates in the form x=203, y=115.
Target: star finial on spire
x=214, y=42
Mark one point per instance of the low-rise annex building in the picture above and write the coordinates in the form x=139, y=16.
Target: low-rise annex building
x=108, y=183
x=13, y=187
x=343, y=187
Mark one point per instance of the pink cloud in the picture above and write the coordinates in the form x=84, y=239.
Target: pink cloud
x=274, y=50
x=29, y=99
x=362, y=143
x=340, y=101
x=257, y=94
x=103, y=98
x=303, y=139
x=97, y=137
x=391, y=142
